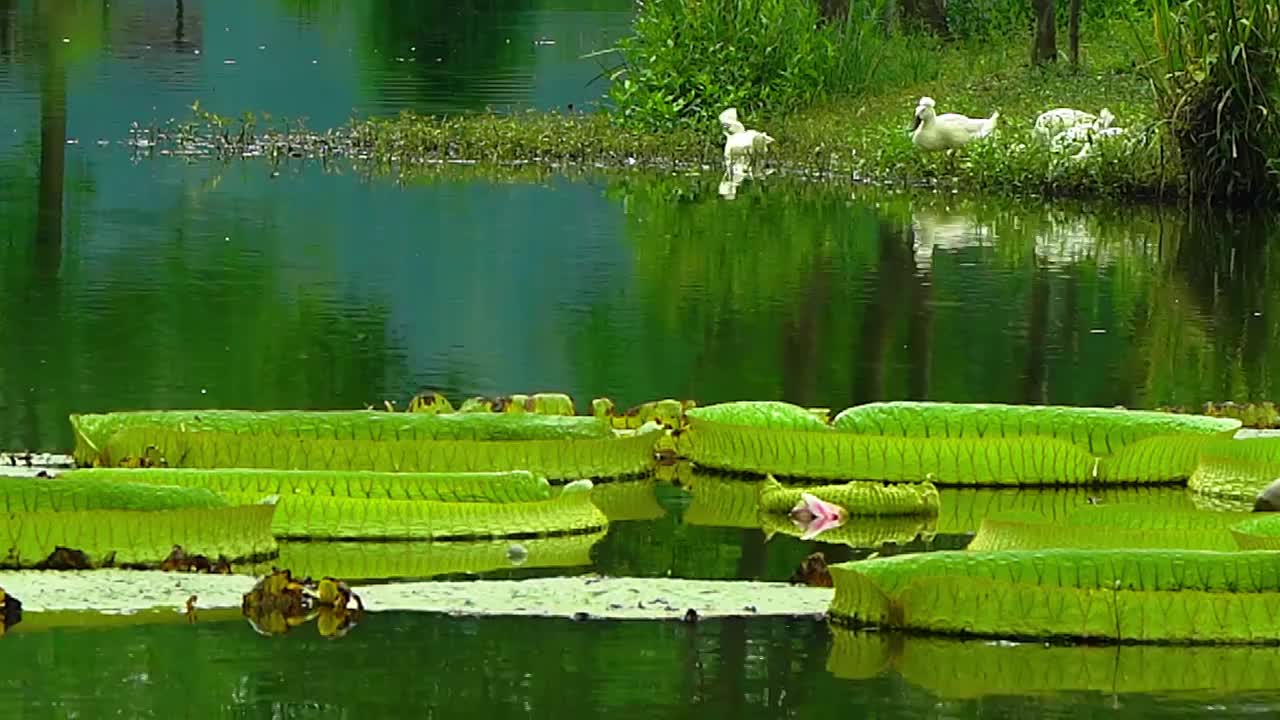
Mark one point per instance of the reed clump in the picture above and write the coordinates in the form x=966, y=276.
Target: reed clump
x=1215, y=69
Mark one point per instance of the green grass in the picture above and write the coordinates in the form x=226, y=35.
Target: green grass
x=687, y=60
x=976, y=78
x=841, y=137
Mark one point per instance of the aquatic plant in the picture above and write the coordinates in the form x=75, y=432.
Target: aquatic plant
x=278, y=603
x=424, y=559
x=94, y=431
x=1215, y=69
x=1113, y=526
x=951, y=443
x=690, y=59
x=1236, y=469
x=1263, y=415
x=335, y=518
x=558, y=447
x=869, y=499
x=135, y=538
x=1114, y=595
x=19, y=495
x=507, y=486
x=10, y=611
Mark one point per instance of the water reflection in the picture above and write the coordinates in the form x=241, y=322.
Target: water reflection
x=956, y=669
x=764, y=668
x=171, y=285
x=148, y=61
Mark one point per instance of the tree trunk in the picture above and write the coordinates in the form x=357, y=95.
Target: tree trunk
x=8, y=32
x=833, y=12
x=1045, y=47
x=929, y=14
x=1073, y=32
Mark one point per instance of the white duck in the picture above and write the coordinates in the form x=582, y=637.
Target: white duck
x=948, y=131
x=1078, y=141
x=742, y=147
x=1054, y=122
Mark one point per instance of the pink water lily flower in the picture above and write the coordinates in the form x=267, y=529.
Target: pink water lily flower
x=814, y=515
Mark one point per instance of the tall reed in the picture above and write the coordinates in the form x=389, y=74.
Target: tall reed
x=1213, y=65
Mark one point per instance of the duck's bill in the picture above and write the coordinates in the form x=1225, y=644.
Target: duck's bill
x=915, y=123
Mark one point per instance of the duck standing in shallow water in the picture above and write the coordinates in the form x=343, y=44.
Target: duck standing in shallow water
x=743, y=148
x=948, y=131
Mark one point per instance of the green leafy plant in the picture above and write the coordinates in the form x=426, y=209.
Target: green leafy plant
x=690, y=59
x=981, y=19
x=1214, y=67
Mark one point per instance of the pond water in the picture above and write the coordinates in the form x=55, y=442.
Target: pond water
x=130, y=283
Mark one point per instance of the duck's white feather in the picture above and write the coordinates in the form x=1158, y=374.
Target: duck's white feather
x=950, y=130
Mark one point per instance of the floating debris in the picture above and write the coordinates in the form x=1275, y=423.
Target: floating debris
x=10, y=611
x=180, y=561
x=667, y=412
x=65, y=558
x=429, y=401
x=813, y=572
x=517, y=554
x=35, y=460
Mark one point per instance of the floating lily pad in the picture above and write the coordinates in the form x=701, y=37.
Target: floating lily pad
x=509, y=486
x=130, y=537
x=1117, y=595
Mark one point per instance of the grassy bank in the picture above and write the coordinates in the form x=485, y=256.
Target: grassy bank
x=842, y=138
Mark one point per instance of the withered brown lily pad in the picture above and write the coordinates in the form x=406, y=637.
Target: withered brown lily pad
x=65, y=558
x=279, y=602
x=10, y=611
x=813, y=572
x=180, y=561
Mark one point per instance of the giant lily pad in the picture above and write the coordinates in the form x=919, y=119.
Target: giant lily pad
x=510, y=486
x=131, y=537
x=564, y=458
x=1117, y=595
x=60, y=495
x=334, y=518
x=1236, y=469
x=400, y=560
x=952, y=444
